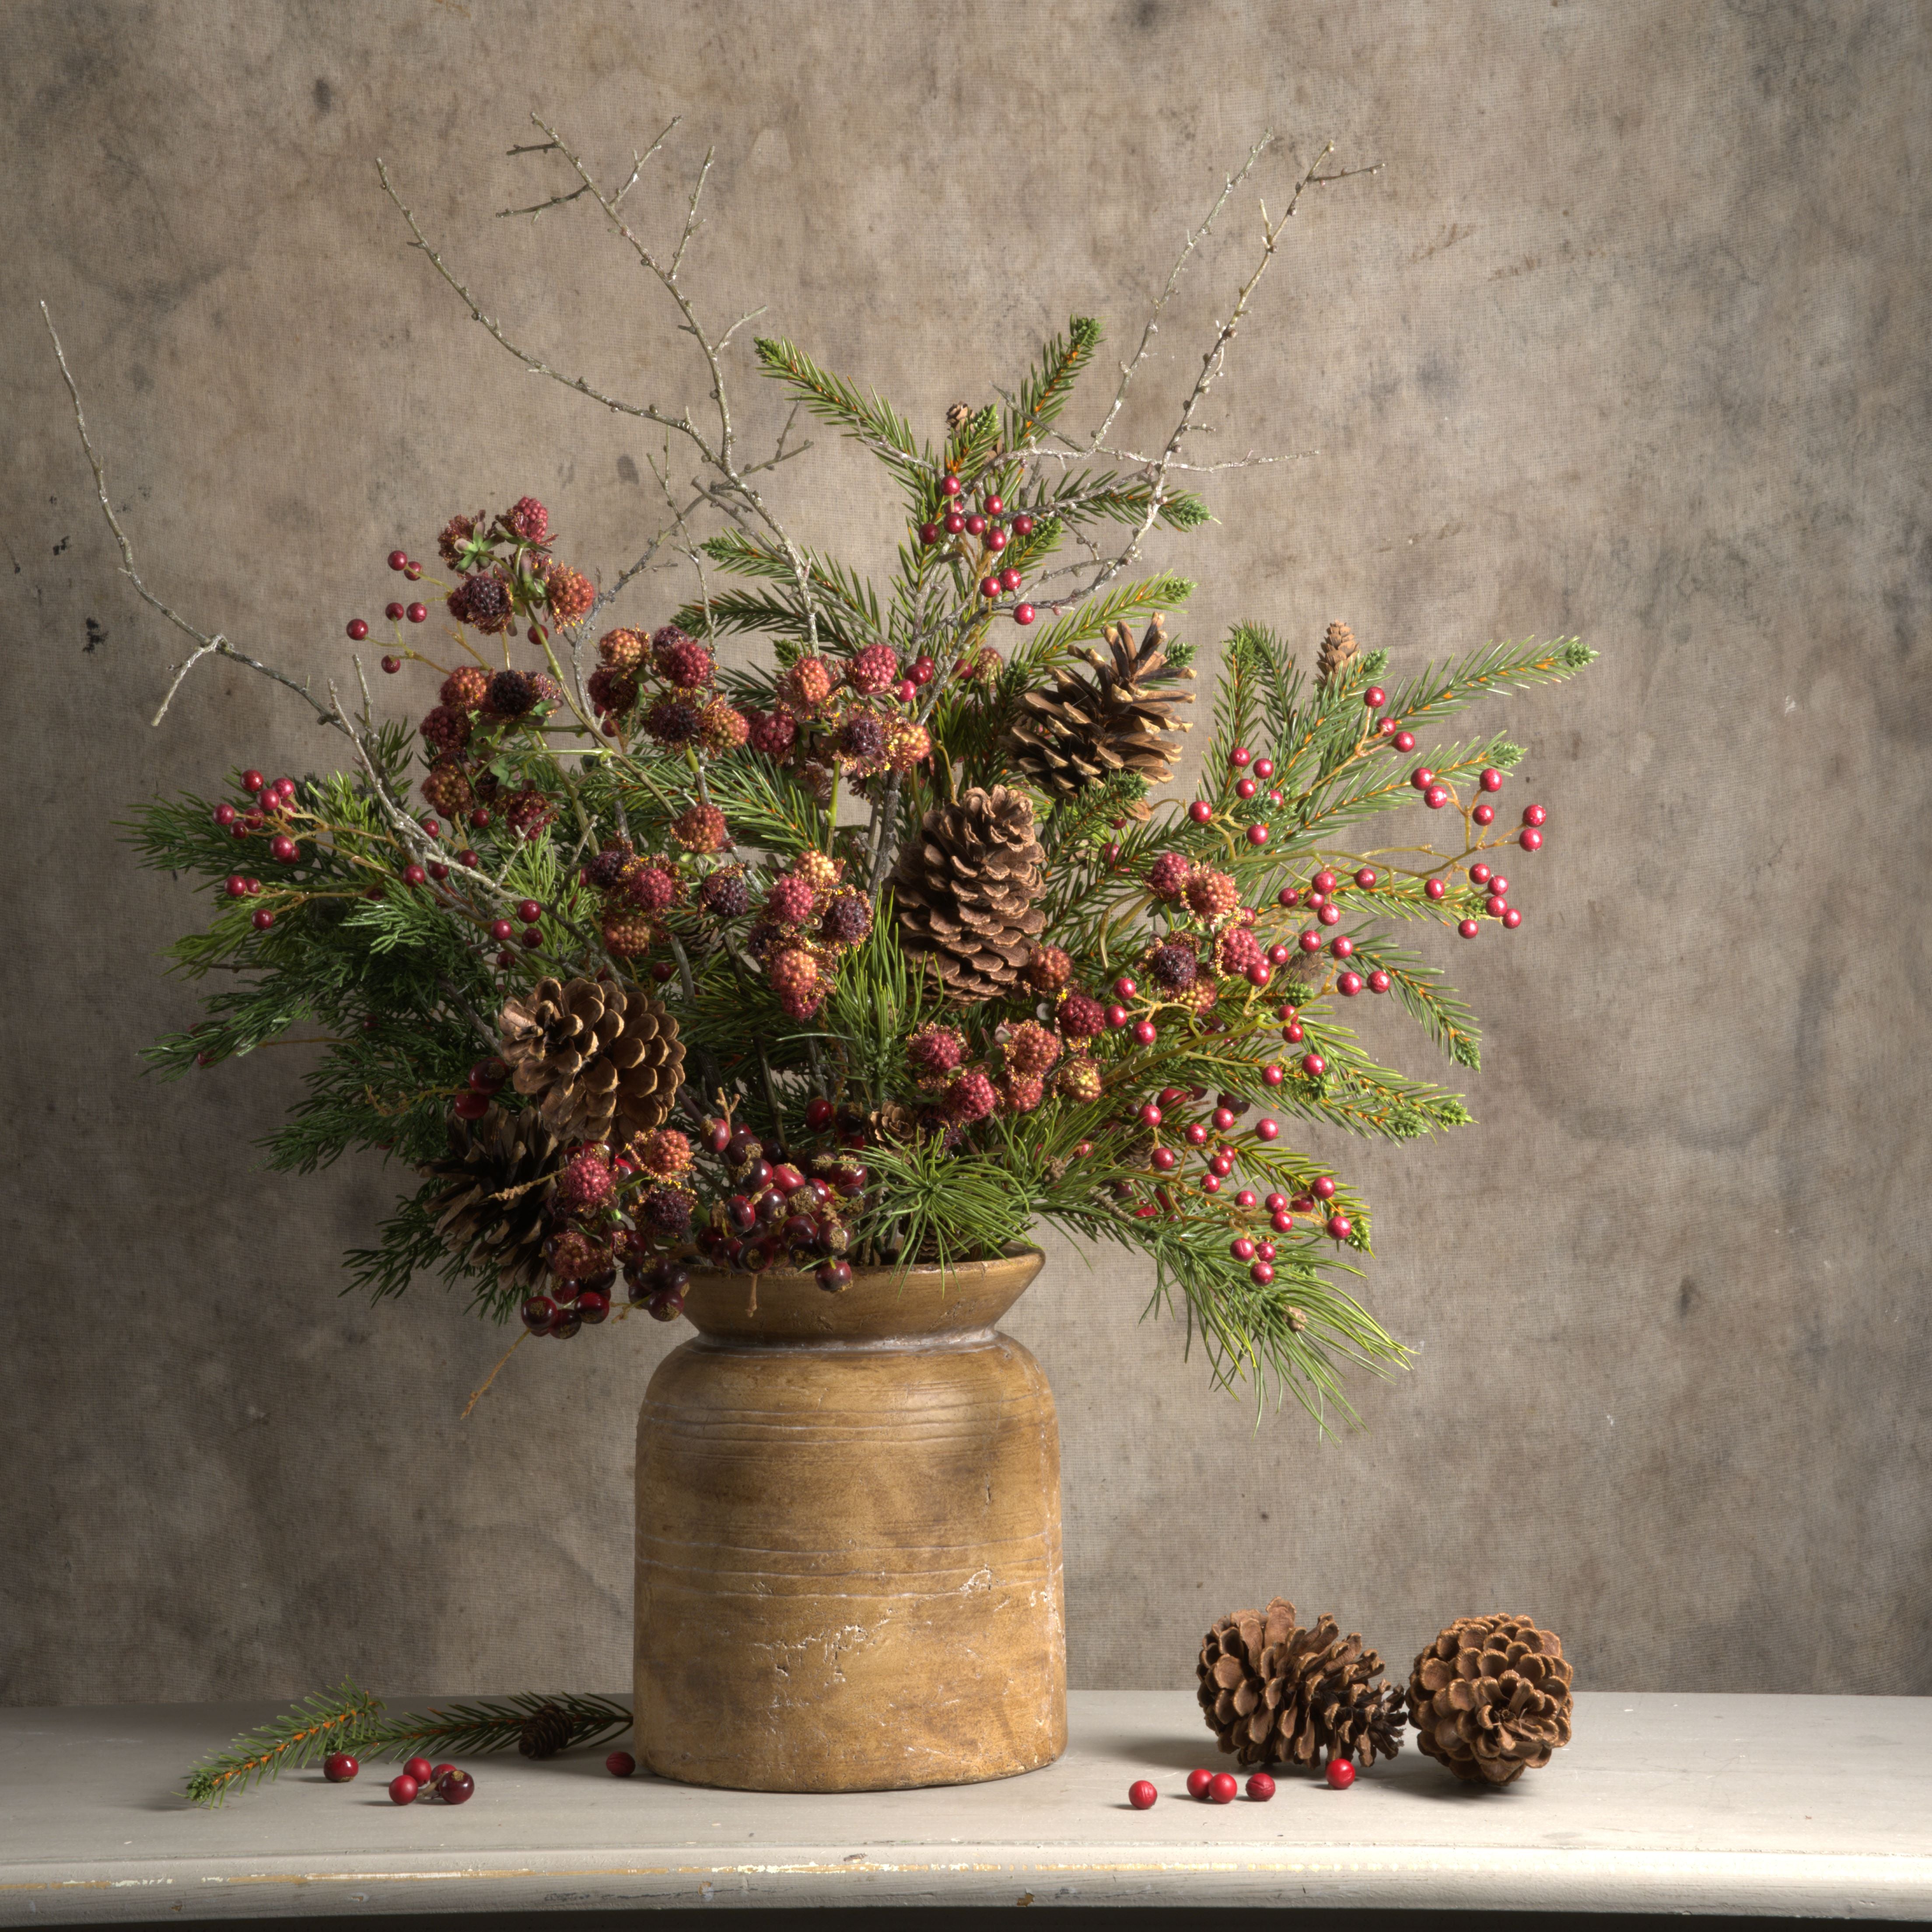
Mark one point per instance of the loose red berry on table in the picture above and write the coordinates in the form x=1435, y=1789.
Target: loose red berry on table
x=1533, y=815
x=440, y=1772
x=403, y=1789
x=420, y=1769
x=1261, y=1787
x=394, y=612
x=1201, y=812
x=1405, y=741
x=1469, y=928
x=1221, y=1788
x=1314, y=1066
x=1340, y=1774
x=1436, y=889
x=399, y=560
x=1529, y=838
x=620, y=1764
x=1024, y=613
x=339, y=1767
x=1198, y=1782
x=1141, y=1795
x=454, y=1787
x=392, y=665
x=358, y=629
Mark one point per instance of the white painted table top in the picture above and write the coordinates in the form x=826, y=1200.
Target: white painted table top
x=1810, y=1805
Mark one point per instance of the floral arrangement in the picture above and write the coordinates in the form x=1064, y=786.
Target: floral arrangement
x=642, y=950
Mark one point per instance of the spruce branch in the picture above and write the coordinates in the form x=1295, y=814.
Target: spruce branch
x=331, y=1720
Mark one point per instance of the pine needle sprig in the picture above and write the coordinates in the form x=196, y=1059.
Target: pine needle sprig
x=498, y=1724
x=332, y=1720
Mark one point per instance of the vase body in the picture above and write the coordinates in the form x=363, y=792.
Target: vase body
x=848, y=1548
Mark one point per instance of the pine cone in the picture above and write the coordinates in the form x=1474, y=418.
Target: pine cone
x=966, y=888
x=1275, y=1693
x=1084, y=729
x=596, y=1054
x=1490, y=1698
x=1337, y=648
x=958, y=416
x=493, y=1213
x=546, y=1732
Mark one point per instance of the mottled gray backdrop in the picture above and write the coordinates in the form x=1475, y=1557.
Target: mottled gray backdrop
x=1628, y=338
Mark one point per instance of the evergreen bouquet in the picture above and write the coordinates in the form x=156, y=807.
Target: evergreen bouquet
x=873, y=943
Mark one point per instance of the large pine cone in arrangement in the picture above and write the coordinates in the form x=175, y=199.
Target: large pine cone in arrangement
x=1081, y=730
x=1275, y=1693
x=597, y=1055
x=1337, y=648
x=966, y=886
x=1490, y=1698
x=492, y=1212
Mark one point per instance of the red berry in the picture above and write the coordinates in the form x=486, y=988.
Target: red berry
x=501, y=929
x=1242, y=1249
x=1495, y=906
x=1264, y=769
x=1529, y=838
x=955, y=522
x=929, y=533
x=253, y=780
x=1222, y=1165
x=420, y=1769
x=1492, y=780
x=1281, y=1220
x=339, y=1767
x=254, y=887
x=1273, y=1075
x=418, y=612
x=1024, y=613
x=1223, y=1118
x=1198, y=1782
x=264, y=919
x=620, y=1764
x=1150, y=1116
x=1512, y=918
x=1533, y=815
x=1201, y=812
x=1469, y=928
x=506, y=960
x=1483, y=814
x=1435, y=888
x=454, y=1787
x=1405, y=741
x=1146, y=1033
x=1349, y=985
x=1325, y=882
x=994, y=506
x=1163, y=1158
x=996, y=540
x=1125, y=988
x=923, y=669
x=1310, y=942
x=1279, y=955
x=1293, y=1034
x=1266, y=1130
x=470, y=1106
x=1110, y=853
x=1365, y=877
x=1246, y=789
x=1314, y=1066
x=225, y=815
x=1010, y=579
x=394, y=612
x=1479, y=875
x=1211, y=1183
x=1340, y=1226
x=412, y=570
x=1422, y=778
x=399, y=560
x=1378, y=981
x=1023, y=525
x=989, y=587
x=1246, y=1199
x=1289, y=897
x=1261, y=1273
x=392, y=665
x=1261, y=1787
x=528, y=911
x=1437, y=796
x=237, y=887
x=1221, y=1788
x=949, y=485
x=976, y=525
x=358, y=630
x=1374, y=698
x=1241, y=757
x=1141, y=1795
x=1196, y=1134
x=1323, y=1189
x=413, y=875
x=1117, y=1016
x=285, y=849
x=1258, y=835
x=1343, y=946
x=403, y=1789
x=1330, y=914
x=1340, y=1774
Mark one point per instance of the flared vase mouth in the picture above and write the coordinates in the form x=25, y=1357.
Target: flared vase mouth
x=882, y=1305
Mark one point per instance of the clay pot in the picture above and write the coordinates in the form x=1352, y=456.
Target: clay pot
x=848, y=1538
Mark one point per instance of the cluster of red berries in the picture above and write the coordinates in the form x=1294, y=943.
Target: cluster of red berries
x=978, y=535
x=406, y=565
x=1222, y=1787
x=853, y=716
x=442, y=1780
x=776, y=1211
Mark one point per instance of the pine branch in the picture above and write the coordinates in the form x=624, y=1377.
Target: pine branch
x=832, y=399
x=497, y=1724
x=337, y=1720
x=1426, y=995
x=1049, y=386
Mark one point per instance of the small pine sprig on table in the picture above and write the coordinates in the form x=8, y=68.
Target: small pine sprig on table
x=539, y=1724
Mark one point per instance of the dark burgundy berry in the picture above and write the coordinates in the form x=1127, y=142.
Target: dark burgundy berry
x=358, y=630
x=392, y=665
x=832, y=1275
x=399, y=560
x=339, y=1767
x=394, y=612
x=418, y=612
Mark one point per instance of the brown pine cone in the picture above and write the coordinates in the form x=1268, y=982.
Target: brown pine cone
x=598, y=1056
x=493, y=1212
x=1240, y=1679
x=958, y=416
x=966, y=887
x=546, y=1732
x=1081, y=730
x=1490, y=1698
x=1337, y=648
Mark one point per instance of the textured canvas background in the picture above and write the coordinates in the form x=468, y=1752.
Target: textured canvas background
x=1628, y=339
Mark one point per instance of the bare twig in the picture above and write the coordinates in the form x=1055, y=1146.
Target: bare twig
x=559, y=200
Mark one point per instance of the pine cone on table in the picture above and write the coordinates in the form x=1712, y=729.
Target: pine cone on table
x=493, y=1212
x=546, y=1732
x=597, y=1056
x=1337, y=648
x=1081, y=730
x=966, y=886
x=1240, y=1679
x=1490, y=1698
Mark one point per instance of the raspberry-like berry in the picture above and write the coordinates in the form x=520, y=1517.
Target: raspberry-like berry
x=612, y=690
x=934, y=1052
x=568, y=593
x=907, y=745
x=701, y=830
x=665, y=1152
x=528, y=519
x=1211, y=894
x=721, y=727
x=1048, y=969
x=773, y=735
x=605, y=870
x=1239, y=950
x=789, y=902
x=1079, y=1079
x=585, y=1182
x=627, y=934
x=652, y=888
x=622, y=649
x=1082, y=1016
x=848, y=918
x=445, y=730
x=447, y=787
x=725, y=895
x=666, y=1210
x=875, y=668
x=1167, y=878
x=972, y=1097
x=484, y=600
x=466, y=688
x=1022, y=1092
x=574, y=1256
x=820, y=873
x=529, y=812
x=807, y=685
x=684, y=661
x=1030, y=1049
x=862, y=740
x=1173, y=966
x=511, y=693
x=456, y=533
x=548, y=691
x=674, y=722
x=794, y=972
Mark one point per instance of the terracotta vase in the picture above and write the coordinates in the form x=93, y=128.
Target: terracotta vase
x=848, y=1538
